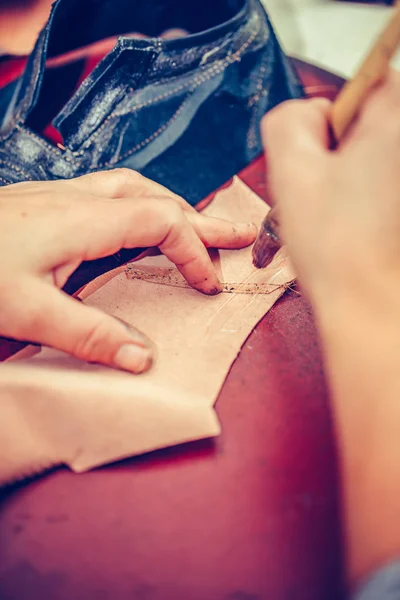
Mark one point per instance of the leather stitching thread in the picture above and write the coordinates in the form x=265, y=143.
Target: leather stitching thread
x=195, y=83
x=172, y=278
x=16, y=169
x=149, y=139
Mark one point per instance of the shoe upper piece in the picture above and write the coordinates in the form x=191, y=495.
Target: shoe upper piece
x=184, y=111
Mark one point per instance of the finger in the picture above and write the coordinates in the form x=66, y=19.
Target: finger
x=47, y=316
x=296, y=139
x=140, y=224
x=183, y=247
x=219, y=233
x=124, y=183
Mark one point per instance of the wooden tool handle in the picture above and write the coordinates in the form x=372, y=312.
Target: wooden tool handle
x=373, y=69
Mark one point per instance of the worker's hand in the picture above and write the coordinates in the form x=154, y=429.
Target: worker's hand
x=340, y=217
x=48, y=228
x=340, y=210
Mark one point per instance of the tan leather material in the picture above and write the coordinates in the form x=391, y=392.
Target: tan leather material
x=55, y=409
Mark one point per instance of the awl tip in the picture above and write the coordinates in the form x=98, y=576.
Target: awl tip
x=267, y=243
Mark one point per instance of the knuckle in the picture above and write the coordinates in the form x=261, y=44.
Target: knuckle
x=124, y=176
x=173, y=217
x=170, y=218
x=280, y=113
x=92, y=345
x=272, y=124
x=126, y=182
x=289, y=113
x=169, y=213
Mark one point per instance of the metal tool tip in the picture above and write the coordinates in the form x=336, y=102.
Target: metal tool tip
x=264, y=251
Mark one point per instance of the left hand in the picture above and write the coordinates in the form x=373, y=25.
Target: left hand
x=48, y=228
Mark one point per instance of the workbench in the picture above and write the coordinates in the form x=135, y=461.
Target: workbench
x=251, y=515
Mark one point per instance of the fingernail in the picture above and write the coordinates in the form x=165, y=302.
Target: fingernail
x=216, y=289
x=134, y=358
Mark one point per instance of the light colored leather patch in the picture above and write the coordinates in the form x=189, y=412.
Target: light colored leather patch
x=58, y=410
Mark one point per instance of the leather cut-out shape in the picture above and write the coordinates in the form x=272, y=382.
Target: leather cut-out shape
x=58, y=410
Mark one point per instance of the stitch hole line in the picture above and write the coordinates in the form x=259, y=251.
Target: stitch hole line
x=170, y=277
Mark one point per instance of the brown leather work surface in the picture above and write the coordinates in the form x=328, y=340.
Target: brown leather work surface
x=251, y=515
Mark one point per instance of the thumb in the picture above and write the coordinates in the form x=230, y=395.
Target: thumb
x=50, y=317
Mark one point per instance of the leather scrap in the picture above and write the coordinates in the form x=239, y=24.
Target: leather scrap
x=55, y=409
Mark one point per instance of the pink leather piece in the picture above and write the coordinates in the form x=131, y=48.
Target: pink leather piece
x=56, y=409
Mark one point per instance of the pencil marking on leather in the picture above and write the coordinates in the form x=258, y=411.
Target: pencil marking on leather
x=172, y=278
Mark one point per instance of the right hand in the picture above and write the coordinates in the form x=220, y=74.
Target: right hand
x=340, y=217
x=340, y=210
